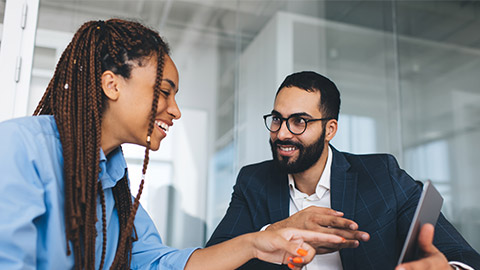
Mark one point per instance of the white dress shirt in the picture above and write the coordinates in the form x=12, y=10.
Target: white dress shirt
x=321, y=197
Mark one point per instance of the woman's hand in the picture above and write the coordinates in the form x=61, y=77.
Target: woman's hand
x=288, y=246
x=283, y=246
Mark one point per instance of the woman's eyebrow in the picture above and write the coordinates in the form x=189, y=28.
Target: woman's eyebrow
x=172, y=84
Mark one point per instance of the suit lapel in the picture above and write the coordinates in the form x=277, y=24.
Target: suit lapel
x=278, y=197
x=343, y=190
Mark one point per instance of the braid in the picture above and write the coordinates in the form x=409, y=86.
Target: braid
x=123, y=197
x=126, y=232
x=76, y=99
x=104, y=225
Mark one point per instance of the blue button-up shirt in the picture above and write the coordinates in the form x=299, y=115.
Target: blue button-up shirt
x=32, y=222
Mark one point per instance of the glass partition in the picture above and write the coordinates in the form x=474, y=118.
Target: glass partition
x=202, y=41
x=439, y=63
x=407, y=75
x=407, y=72
x=2, y=15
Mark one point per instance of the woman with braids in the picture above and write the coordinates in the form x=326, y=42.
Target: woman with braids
x=64, y=193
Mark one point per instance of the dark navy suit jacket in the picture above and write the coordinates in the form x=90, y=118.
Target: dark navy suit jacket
x=370, y=189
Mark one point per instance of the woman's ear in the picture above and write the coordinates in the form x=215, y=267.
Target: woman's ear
x=331, y=129
x=110, y=83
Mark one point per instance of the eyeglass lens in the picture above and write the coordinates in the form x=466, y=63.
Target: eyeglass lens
x=295, y=124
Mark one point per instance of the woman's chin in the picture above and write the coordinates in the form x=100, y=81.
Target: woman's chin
x=155, y=146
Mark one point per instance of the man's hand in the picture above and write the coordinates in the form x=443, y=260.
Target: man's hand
x=324, y=220
x=432, y=258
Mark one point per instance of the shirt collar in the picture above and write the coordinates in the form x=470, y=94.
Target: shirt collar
x=112, y=167
x=323, y=184
x=327, y=171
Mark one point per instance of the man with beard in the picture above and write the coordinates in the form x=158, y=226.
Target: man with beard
x=367, y=199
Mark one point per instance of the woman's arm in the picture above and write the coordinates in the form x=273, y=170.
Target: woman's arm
x=22, y=195
x=276, y=247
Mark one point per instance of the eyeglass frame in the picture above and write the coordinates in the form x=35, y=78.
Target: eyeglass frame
x=288, y=125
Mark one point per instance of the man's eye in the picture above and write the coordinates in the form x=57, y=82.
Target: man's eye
x=298, y=121
x=275, y=119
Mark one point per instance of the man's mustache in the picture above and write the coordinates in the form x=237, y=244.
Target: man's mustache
x=277, y=143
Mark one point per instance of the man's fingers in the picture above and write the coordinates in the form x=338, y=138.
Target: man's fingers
x=350, y=244
x=425, y=238
x=363, y=236
x=324, y=250
x=432, y=258
x=344, y=244
x=333, y=221
x=421, y=264
x=322, y=211
x=313, y=216
x=435, y=261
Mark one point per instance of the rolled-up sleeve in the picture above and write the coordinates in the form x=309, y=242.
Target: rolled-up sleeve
x=149, y=251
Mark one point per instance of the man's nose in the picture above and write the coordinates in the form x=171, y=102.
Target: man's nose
x=283, y=133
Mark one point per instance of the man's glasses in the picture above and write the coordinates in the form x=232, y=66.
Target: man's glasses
x=295, y=123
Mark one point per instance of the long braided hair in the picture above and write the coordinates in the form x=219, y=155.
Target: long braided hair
x=75, y=98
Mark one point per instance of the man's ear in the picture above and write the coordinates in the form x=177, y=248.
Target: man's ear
x=110, y=83
x=331, y=129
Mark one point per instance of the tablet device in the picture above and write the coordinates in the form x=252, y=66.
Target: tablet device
x=428, y=210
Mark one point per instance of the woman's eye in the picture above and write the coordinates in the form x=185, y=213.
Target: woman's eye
x=166, y=93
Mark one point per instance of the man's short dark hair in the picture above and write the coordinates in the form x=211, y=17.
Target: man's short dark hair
x=311, y=81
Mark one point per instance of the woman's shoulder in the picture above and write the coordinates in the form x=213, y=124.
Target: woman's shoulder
x=31, y=125
x=28, y=131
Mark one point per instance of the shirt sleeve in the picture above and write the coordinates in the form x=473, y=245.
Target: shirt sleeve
x=459, y=265
x=265, y=227
x=149, y=251
x=21, y=200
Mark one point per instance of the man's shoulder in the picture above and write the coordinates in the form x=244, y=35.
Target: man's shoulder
x=373, y=156
x=366, y=159
x=266, y=164
x=364, y=162
x=262, y=170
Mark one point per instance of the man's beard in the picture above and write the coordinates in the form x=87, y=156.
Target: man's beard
x=308, y=155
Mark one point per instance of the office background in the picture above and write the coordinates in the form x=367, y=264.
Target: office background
x=408, y=73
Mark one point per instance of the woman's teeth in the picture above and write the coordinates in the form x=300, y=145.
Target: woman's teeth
x=162, y=125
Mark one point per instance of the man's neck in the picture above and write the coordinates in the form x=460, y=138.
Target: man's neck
x=307, y=181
